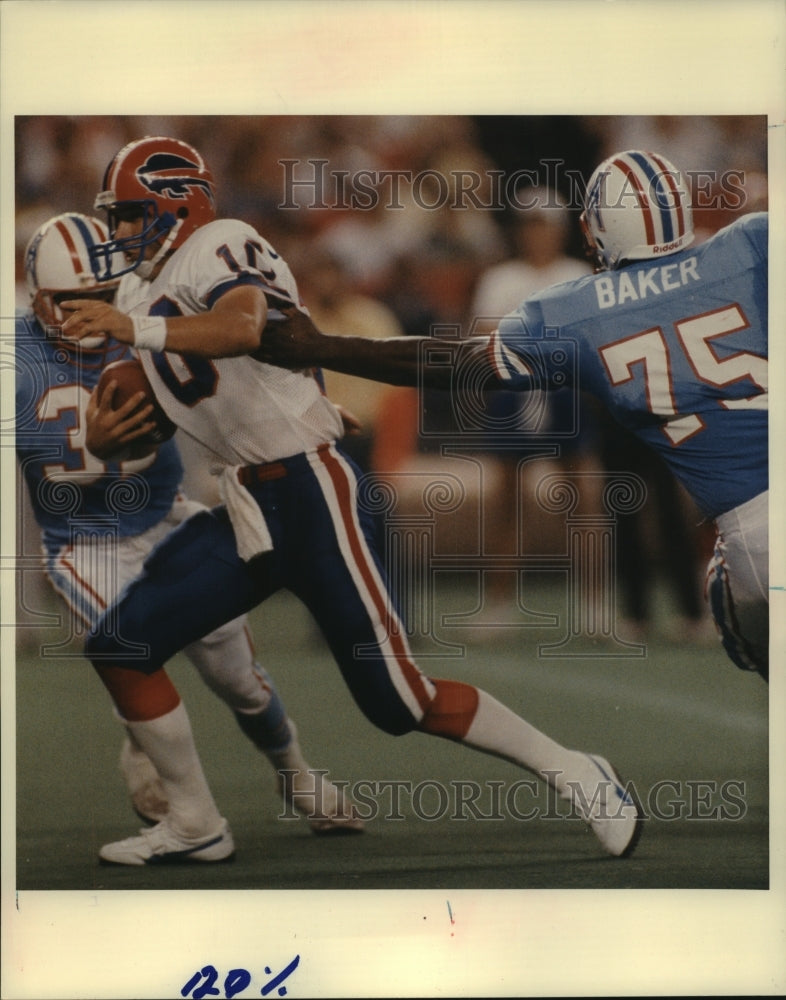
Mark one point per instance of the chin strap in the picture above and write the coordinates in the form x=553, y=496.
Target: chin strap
x=146, y=267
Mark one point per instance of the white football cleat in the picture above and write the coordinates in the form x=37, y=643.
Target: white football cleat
x=160, y=845
x=607, y=807
x=328, y=810
x=148, y=798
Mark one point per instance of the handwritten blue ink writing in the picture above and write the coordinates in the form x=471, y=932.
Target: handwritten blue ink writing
x=282, y=992
x=203, y=983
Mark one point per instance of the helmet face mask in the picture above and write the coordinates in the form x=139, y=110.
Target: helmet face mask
x=58, y=266
x=592, y=252
x=129, y=249
x=165, y=184
x=637, y=207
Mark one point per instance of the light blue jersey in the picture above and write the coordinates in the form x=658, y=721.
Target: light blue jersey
x=71, y=491
x=675, y=349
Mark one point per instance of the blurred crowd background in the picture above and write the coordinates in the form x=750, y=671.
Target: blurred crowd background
x=398, y=256
x=382, y=269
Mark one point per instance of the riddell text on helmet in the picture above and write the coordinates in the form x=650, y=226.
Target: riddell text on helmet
x=668, y=247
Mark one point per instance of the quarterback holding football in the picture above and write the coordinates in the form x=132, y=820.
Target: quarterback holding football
x=196, y=295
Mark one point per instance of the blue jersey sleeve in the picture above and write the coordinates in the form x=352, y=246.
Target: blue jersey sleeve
x=756, y=228
x=677, y=351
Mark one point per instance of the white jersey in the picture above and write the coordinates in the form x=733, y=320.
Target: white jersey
x=245, y=412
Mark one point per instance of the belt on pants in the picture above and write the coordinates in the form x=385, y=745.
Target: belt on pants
x=249, y=474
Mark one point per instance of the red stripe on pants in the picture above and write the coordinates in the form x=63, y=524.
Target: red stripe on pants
x=380, y=598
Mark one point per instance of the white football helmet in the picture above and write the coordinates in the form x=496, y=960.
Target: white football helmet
x=58, y=266
x=637, y=207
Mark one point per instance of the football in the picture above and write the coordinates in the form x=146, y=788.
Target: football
x=131, y=379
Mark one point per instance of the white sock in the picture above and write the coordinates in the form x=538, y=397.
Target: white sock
x=497, y=730
x=169, y=743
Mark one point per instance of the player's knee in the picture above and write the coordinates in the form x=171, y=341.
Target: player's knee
x=223, y=634
x=106, y=645
x=395, y=721
x=398, y=728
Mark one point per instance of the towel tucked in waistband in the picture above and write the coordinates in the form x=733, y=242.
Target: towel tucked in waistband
x=251, y=531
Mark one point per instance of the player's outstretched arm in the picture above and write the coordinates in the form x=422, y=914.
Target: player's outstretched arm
x=296, y=342
x=233, y=326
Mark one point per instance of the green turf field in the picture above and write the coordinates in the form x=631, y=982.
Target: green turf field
x=684, y=725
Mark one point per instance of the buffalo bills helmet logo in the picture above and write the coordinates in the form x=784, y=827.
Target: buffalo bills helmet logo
x=169, y=175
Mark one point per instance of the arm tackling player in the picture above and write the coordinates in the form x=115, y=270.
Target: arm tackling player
x=672, y=339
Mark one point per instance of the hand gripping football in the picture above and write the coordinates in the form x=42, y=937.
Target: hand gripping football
x=130, y=377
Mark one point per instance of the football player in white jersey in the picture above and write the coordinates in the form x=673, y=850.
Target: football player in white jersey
x=97, y=542
x=197, y=296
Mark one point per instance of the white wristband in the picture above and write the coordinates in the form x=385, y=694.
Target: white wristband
x=149, y=332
